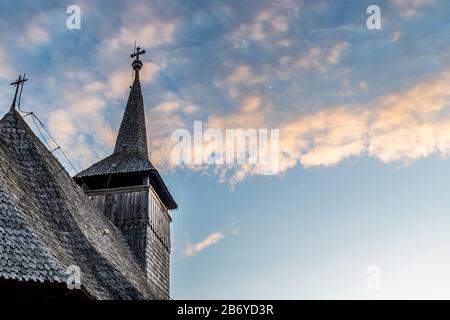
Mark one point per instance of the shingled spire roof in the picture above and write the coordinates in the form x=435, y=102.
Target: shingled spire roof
x=132, y=133
x=47, y=224
x=131, y=153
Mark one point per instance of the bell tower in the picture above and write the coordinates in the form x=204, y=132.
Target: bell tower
x=131, y=193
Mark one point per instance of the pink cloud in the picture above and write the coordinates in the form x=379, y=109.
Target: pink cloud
x=193, y=249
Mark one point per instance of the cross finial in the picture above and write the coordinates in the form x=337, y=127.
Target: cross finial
x=137, y=63
x=137, y=53
x=17, y=83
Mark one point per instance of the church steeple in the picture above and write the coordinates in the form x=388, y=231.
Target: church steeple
x=129, y=164
x=131, y=193
x=132, y=133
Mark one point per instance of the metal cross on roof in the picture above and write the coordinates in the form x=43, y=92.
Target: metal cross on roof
x=137, y=53
x=17, y=83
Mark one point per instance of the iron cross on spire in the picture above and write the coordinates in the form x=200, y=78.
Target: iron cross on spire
x=17, y=83
x=137, y=53
x=137, y=63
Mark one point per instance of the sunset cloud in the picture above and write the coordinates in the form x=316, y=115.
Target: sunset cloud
x=140, y=24
x=265, y=25
x=320, y=59
x=241, y=78
x=411, y=7
x=397, y=128
x=193, y=249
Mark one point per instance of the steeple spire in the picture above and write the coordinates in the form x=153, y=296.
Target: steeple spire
x=129, y=164
x=17, y=83
x=132, y=133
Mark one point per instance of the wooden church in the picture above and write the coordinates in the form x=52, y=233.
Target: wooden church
x=111, y=221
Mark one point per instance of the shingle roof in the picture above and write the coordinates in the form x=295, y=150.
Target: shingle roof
x=128, y=162
x=22, y=257
x=132, y=133
x=119, y=162
x=47, y=223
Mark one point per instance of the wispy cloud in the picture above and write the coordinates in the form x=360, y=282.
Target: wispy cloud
x=140, y=24
x=36, y=30
x=234, y=229
x=6, y=70
x=410, y=8
x=193, y=249
x=395, y=36
x=240, y=79
x=267, y=23
x=320, y=59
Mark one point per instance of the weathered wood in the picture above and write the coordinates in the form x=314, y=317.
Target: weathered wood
x=145, y=223
x=117, y=190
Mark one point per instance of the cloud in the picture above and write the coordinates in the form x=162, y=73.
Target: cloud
x=116, y=82
x=168, y=116
x=312, y=59
x=35, y=31
x=410, y=8
x=172, y=106
x=396, y=128
x=62, y=126
x=400, y=127
x=234, y=230
x=242, y=77
x=249, y=114
x=80, y=120
x=193, y=249
x=266, y=24
x=149, y=35
x=395, y=36
x=6, y=71
x=320, y=59
x=412, y=125
x=82, y=130
x=171, y=114
x=324, y=138
x=140, y=24
x=335, y=53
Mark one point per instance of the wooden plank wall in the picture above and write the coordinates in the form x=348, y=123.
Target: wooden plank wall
x=123, y=209
x=159, y=221
x=145, y=223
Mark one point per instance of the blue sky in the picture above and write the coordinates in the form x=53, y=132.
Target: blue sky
x=364, y=132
